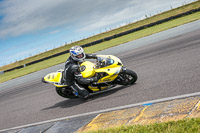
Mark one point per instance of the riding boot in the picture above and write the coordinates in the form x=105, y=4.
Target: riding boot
x=79, y=91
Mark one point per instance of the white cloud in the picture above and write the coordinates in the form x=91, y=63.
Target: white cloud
x=24, y=16
x=134, y=10
x=54, y=32
x=108, y=19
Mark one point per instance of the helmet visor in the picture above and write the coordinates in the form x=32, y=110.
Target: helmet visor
x=80, y=56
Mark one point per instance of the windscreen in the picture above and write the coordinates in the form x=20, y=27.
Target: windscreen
x=104, y=62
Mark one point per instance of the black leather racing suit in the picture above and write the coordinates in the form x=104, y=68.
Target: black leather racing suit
x=72, y=74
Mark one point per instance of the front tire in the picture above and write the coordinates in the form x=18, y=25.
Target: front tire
x=65, y=92
x=128, y=77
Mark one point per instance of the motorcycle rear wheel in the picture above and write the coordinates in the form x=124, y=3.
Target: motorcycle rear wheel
x=65, y=92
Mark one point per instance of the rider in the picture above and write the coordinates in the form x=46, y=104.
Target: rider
x=72, y=73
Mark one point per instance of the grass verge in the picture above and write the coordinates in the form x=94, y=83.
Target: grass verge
x=152, y=19
x=182, y=126
x=130, y=37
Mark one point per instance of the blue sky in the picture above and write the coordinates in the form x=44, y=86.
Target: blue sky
x=29, y=27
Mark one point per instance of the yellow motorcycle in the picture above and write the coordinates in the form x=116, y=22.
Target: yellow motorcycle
x=109, y=69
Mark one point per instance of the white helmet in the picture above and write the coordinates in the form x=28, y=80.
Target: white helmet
x=77, y=53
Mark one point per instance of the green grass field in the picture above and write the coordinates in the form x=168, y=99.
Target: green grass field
x=133, y=36
x=181, y=126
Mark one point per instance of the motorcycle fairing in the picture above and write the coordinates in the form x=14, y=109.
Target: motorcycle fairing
x=112, y=74
x=55, y=79
x=117, y=62
x=95, y=88
x=111, y=70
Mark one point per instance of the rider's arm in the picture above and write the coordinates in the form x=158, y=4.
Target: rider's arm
x=82, y=80
x=79, y=77
x=91, y=56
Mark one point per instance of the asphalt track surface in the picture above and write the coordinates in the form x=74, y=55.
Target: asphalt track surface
x=165, y=68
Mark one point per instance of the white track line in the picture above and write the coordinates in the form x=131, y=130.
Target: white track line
x=105, y=110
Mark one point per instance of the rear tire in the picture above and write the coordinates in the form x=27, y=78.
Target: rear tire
x=65, y=92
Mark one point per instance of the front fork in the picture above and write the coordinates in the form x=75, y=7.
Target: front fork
x=123, y=69
x=119, y=80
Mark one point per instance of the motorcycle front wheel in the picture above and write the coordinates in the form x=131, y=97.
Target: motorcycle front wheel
x=128, y=77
